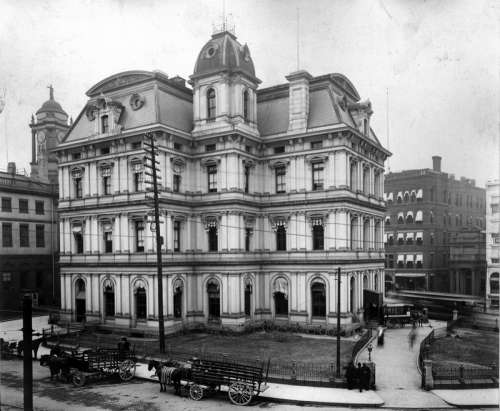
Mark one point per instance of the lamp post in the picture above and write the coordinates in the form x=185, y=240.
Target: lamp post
x=338, y=322
x=370, y=348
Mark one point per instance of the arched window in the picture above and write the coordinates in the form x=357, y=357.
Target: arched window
x=178, y=290
x=375, y=280
x=401, y=219
x=409, y=217
x=280, y=296
x=413, y=196
x=211, y=106
x=140, y=303
x=248, y=298
x=399, y=197
x=213, y=292
x=365, y=282
x=352, y=294
x=109, y=300
x=318, y=299
x=387, y=220
x=494, y=282
x=406, y=197
x=80, y=298
x=246, y=106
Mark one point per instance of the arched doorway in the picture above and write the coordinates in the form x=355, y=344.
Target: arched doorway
x=141, y=312
x=109, y=299
x=178, y=290
x=213, y=292
x=318, y=299
x=80, y=300
x=280, y=292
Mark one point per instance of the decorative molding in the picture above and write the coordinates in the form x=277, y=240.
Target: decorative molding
x=136, y=101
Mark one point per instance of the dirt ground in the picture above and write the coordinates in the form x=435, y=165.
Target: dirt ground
x=138, y=395
x=466, y=346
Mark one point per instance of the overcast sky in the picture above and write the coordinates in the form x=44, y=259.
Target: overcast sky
x=439, y=59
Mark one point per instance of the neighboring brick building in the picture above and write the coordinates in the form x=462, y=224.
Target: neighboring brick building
x=492, y=243
x=426, y=208
x=28, y=216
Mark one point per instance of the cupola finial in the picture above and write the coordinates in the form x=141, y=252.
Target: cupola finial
x=51, y=91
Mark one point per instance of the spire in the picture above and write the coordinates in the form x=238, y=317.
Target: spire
x=51, y=91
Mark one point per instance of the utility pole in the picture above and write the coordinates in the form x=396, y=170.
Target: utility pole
x=27, y=350
x=338, y=322
x=151, y=154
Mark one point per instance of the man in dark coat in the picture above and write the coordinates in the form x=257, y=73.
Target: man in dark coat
x=365, y=377
x=350, y=375
x=359, y=377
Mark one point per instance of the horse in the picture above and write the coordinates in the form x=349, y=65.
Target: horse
x=169, y=372
x=59, y=366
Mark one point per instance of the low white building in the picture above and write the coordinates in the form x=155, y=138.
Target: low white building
x=265, y=193
x=492, y=243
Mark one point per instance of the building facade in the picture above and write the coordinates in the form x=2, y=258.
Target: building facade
x=28, y=216
x=431, y=218
x=492, y=243
x=264, y=194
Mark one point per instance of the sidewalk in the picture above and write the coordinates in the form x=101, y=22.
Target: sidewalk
x=398, y=381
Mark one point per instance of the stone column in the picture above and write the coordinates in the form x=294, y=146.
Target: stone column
x=301, y=174
x=91, y=188
x=301, y=231
x=115, y=177
x=87, y=235
x=329, y=229
x=169, y=238
x=330, y=171
x=123, y=175
x=293, y=231
x=293, y=174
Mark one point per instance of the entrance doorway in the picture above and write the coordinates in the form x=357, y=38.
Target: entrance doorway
x=80, y=300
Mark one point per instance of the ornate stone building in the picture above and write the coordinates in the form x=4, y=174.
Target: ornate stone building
x=265, y=192
x=493, y=243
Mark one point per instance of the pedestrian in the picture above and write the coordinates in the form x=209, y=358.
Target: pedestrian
x=350, y=375
x=365, y=377
x=411, y=337
x=420, y=318
x=359, y=377
x=20, y=347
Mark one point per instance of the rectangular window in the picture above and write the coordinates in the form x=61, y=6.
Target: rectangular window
x=248, y=233
x=76, y=156
x=104, y=150
x=177, y=236
x=104, y=124
x=39, y=207
x=279, y=149
x=40, y=235
x=495, y=260
x=391, y=260
x=248, y=149
x=6, y=204
x=495, y=208
x=78, y=242
x=108, y=242
x=212, y=179
x=106, y=185
x=139, y=236
x=23, y=206
x=318, y=236
x=138, y=176
x=316, y=144
x=178, y=146
x=136, y=145
x=78, y=187
x=177, y=183
x=280, y=179
x=210, y=147
x=24, y=235
x=281, y=238
x=6, y=235
x=317, y=171
x=213, y=238
x=495, y=238
x=6, y=277
x=247, y=179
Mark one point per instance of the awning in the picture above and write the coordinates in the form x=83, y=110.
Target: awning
x=419, y=258
x=390, y=197
x=281, y=286
x=410, y=275
x=401, y=257
x=410, y=257
x=409, y=236
x=400, y=194
x=385, y=196
x=409, y=213
x=401, y=236
x=419, y=216
x=401, y=215
x=420, y=193
x=420, y=235
x=387, y=219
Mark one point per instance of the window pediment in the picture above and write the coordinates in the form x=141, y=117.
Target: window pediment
x=279, y=163
x=210, y=161
x=316, y=158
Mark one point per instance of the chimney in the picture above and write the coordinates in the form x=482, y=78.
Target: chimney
x=298, y=100
x=436, y=163
x=11, y=168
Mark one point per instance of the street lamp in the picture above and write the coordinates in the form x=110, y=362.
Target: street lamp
x=370, y=348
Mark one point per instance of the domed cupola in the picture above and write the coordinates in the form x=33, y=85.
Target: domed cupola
x=51, y=106
x=223, y=53
x=224, y=88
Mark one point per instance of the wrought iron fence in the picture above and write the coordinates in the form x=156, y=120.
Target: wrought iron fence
x=361, y=343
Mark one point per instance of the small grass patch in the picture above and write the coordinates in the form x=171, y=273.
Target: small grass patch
x=465, y=346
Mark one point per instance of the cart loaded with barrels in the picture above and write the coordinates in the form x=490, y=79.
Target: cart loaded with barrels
x=243, y=381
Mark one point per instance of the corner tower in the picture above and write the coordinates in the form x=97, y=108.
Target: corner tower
x=224, y=88
x=47, y=130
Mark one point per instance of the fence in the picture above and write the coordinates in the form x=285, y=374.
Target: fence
x=453, y=376
x=361, y=343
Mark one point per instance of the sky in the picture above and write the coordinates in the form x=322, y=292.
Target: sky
x=430, y=68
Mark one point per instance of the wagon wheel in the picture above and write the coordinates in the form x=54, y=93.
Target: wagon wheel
x=127, y=370
x=240, y=393
x=78, y=379
x=195, y=392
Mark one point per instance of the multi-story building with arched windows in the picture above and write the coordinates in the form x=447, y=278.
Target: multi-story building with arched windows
x=264, y=194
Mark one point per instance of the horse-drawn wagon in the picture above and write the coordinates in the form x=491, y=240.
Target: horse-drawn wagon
x=397, y=314
x=80, y=367
x=205, y=377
